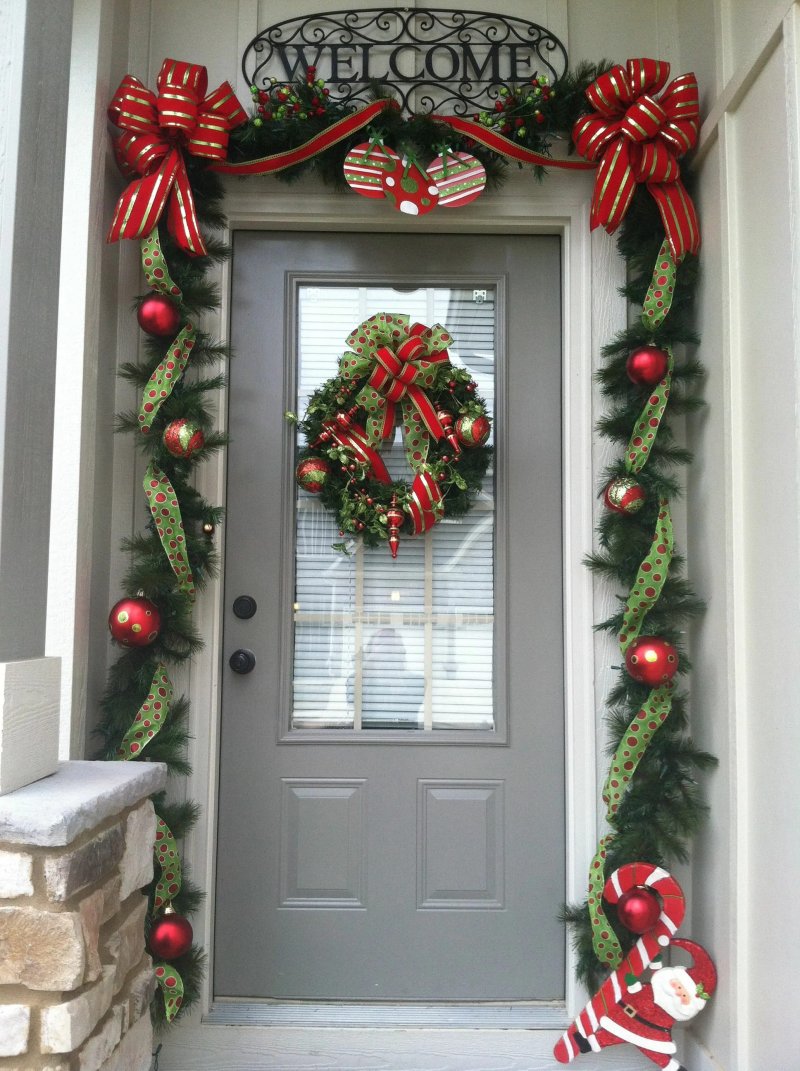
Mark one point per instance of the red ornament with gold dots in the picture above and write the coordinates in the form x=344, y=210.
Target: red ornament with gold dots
x=159, y=316
x=624, y=494
x=651, y=660
x=638, y=909
x=134, y=622
x=647, y=366
x=170, y=936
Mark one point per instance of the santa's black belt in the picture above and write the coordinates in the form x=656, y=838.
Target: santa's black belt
x=632, y=1013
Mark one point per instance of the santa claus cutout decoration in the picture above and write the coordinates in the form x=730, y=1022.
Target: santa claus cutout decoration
x=627, y=1009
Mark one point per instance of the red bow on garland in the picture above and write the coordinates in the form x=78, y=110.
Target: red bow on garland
x=638, y=138
x=156, y=130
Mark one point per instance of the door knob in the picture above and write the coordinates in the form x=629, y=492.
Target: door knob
x=242, y=661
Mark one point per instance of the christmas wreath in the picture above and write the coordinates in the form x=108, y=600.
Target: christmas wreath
x=394, y=370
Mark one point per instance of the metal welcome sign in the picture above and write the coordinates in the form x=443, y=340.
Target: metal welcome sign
x=433, y=58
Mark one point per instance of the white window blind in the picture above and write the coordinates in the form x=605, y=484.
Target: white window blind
x=406, y=643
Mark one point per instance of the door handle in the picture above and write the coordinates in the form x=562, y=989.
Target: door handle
x=242, y=661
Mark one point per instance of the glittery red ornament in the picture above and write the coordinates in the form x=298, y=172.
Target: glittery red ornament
x=638, y=909
x=647, y=366
x=170, y=936
x=624, y=494
x=158, y=315
x=182, y=437
x=134, y=622
x=651, y=660
x=473, y=430
x=312, y=474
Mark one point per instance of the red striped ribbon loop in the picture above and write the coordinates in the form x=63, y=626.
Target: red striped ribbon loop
x=396, y=375
x=426, y=504
x=638, y=137
x=156, y=130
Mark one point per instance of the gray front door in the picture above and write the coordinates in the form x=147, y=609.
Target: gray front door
x=391, y=797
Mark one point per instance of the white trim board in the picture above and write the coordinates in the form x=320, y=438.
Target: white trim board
x=592, y=309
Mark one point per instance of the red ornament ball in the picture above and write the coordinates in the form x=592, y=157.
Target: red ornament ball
x=170, y=936
x=647, y=366
x=159, y=316
x=473, y=430
x=651, y=660
x=182, y=437
x=134, y=622
x=312, y=474
x=624, y=494
x=638, y=909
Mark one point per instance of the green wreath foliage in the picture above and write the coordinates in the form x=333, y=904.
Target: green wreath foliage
x=358, y=500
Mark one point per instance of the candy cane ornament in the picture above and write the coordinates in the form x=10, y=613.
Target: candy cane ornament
x=625, y=1009
x=651, y=944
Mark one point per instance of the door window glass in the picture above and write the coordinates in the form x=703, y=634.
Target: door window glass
x=405, y=643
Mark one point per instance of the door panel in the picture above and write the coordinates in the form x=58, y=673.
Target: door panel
x=385, y=864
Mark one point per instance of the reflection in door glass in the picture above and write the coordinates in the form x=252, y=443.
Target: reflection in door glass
x=405, y=643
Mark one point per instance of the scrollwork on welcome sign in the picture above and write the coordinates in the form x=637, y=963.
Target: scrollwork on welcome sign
x=433, y=58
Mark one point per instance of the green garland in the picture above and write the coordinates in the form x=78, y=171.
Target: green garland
x=662, y=807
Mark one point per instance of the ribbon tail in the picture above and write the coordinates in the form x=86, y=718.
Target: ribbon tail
x=678, y=216
x=182, y=220
x=155, y=267
x=614, y=188
x=141, y=204
x=171, y=985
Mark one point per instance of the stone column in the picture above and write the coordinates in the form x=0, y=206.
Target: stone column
x=75, y=979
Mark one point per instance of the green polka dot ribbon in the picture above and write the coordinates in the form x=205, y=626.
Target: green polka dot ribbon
x=657, y=303
x=150, y=717
x=605, y=942
x=167, y=888
x=171, y=986
x=400, y=361
x=169, y=861
x=644, y=594
x=154, y=266
x=165, y=376
x=658, y=299
x=650, y=579
x=166, y=513
x=641, y=730
x=648, y=423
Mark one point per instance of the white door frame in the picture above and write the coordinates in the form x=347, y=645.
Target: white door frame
x=592, y=311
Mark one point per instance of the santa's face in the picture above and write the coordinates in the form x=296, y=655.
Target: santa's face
x=675, y=992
